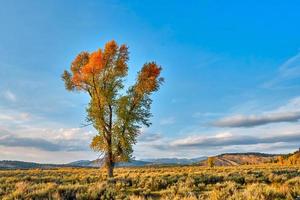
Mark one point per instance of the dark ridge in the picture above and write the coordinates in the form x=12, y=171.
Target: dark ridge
x=250, y=153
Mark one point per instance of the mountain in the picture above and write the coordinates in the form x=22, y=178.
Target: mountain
x=235, y=159
x=177, y=161
x=5, y=164
x=80, y=163
x=139, y=163
x=86, y=163
x=9, y=164
x=133, y=163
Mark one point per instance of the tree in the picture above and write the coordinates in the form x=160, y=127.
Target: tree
x=280, y=160
x=116, y=114
x=211, y=161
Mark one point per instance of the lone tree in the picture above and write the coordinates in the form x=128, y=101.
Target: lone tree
x=116, y=114
x=211, y=161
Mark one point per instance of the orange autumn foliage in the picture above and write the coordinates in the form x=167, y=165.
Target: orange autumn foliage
x=110, y=50
x=85, y=66
x=121, y=65
x=95, y=64
x=80, y=60
x=147, y=79
x=88, y=65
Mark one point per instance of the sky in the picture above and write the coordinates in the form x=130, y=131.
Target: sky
x=231, y=69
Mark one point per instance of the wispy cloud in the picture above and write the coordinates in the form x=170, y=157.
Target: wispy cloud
x=12, y=141
x=228, y=139
x=292, y=105
x=149, y=137
x=236, y=133
x=287, y=71
x=290, y=112
x=291, y=68
x=61, y=140
x=206, y=114
x=39, y=139
x=167, y=121
x=222, y=142
x=255, y=120
x=10, y=96
x=14, y=116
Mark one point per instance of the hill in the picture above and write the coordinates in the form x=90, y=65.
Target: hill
x=291, y=158
x=140, y=163
x=176, y=161
x=235, y=159
x=10, y=164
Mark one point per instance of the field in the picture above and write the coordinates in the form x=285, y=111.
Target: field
x=187, y=182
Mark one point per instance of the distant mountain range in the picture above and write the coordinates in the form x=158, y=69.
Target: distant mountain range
x=146, y=162
x=179, y=161
x=7, y=164
x=229, y=159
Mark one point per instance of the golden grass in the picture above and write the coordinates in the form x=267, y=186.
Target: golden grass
x=263, y=182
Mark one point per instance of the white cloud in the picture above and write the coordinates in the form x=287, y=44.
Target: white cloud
x=42, y=141
x=147, y=136
x=206, y=114
x=291, y=68
x=42, y=156
x=167, y=121
x=292, y=105
x=63, y=139
x=267, y=139
x=229, y=139
x=195, y=142
x=257, y=120
x=9, y=95
x=36, y=135
x=286, y=113
x=224, y=135
x=14, y=116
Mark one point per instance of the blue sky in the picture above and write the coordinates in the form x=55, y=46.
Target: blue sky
x=232, y=71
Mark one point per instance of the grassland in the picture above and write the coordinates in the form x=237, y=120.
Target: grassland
x=267, y=182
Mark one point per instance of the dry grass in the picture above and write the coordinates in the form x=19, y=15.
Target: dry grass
x=265, y=182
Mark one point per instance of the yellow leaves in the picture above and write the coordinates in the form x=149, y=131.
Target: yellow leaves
x=98, y=143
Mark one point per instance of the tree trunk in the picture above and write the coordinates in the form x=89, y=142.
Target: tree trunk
x=110, y=166
x=110, y=169
x=109, y=159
